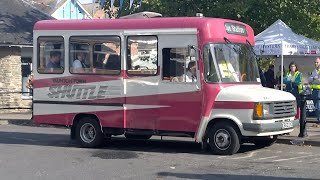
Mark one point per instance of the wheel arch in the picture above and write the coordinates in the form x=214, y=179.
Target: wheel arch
x=215, y=121
x=77, y=119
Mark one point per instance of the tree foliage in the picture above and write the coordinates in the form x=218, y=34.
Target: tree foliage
x=303, y=16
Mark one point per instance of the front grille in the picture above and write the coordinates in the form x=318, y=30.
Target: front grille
x=283, y=109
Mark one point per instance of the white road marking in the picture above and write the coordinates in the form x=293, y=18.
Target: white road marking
x=251, y=154
x=279, y=160
x=271, y=157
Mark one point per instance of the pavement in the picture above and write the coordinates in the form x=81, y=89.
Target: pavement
x=311, y=139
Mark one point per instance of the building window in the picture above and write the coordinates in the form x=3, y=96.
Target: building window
x=142, y=55
x=51, y=55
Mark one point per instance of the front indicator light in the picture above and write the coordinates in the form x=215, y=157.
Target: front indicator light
x=258, y=110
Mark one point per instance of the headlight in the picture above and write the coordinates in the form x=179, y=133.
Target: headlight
x=262, y=110
x=267, y=108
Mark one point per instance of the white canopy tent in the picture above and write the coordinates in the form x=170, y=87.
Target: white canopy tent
x=279, y=40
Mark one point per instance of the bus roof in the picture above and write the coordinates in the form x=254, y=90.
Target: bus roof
x=214, y=27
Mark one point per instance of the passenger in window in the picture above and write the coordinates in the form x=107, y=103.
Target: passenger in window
x=79, y=65
x=113, y=61
x=54, y=61
x=191, y=73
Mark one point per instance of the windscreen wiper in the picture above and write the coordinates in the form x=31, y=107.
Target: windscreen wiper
x=251, y=48
x=229, y=42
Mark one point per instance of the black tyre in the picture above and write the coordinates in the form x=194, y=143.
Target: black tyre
x=265, y=142
x=88, y=133
x=135, y=136
x=224, y=139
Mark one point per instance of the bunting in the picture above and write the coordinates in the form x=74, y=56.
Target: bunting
x=131, y=2
x=102, y=2
x=112, y=1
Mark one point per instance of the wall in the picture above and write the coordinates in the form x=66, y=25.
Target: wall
x=10, y=81
x=69, y=10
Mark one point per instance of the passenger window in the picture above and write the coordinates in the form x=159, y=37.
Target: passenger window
x=142, y=55
x=178, y=66
x=95, y=55
x=50, y=55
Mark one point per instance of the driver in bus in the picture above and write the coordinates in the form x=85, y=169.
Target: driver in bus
x=191, y=73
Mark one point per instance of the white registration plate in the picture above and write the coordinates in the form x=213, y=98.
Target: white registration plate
x=286, y=125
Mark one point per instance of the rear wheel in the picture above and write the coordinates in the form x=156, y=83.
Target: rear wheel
x=224, y=139
x=265, y=142
x=88, y=133
x=135, y=136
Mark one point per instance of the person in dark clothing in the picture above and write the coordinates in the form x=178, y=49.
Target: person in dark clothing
x=270, y=81
x=113, y=62
x=262, y=78
x=54, y=61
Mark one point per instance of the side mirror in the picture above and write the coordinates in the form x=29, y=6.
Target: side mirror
x=191, y=50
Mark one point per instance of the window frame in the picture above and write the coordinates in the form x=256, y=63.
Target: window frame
x=127, y=56
x=91, y=48
x=184, y=70
x=38, y=55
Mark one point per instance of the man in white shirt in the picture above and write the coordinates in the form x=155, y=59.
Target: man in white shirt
x=191, y=73
x=314, y=80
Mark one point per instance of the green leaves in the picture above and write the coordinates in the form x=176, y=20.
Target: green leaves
x=303, y=16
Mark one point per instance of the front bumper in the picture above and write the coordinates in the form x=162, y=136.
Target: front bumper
x=269, y=127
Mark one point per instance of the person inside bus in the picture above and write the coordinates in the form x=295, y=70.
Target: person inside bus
x=113, y=60
x=79, y=65
x=54, y=61
x=191, y=73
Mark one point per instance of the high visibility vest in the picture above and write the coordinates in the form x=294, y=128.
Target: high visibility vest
x=296, y=74
x=316, y=86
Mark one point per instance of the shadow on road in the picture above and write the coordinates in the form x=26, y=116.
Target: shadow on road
x=116, y=143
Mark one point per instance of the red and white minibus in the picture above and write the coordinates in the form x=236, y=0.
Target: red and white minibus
x=177, y=76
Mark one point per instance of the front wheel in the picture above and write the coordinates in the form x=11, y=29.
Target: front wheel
x=88, y=133
x=224, y=139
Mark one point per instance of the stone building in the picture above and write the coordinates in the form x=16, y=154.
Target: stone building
x=17, y=18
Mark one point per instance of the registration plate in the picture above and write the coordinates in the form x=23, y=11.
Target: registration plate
x=286, y=125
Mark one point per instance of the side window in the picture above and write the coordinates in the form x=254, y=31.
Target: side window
x=178, y=66
x=142, y=55
x=95, y=55
x=50, y=55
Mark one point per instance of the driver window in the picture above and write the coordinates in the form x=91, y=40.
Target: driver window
x=211, y=71
x=178, y=66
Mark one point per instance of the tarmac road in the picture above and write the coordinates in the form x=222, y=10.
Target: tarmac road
x=29, y=152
